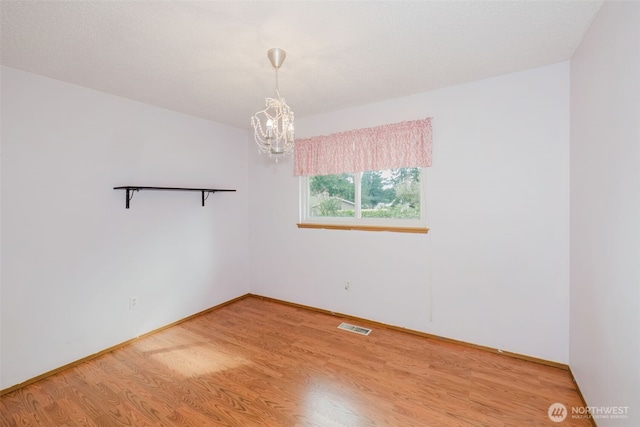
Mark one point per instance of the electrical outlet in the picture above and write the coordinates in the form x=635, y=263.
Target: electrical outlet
x=347, y=286
x=133, y=303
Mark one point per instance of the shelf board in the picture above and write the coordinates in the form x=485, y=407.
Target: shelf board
x=130, y=189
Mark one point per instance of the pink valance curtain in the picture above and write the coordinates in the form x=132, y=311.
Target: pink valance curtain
x=398, y=145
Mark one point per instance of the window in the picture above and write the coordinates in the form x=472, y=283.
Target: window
x=390, y=199
x=370, y=179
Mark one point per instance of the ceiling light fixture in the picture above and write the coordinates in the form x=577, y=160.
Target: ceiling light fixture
x=273, y=127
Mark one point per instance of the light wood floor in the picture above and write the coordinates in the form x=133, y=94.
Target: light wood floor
x=261, y=363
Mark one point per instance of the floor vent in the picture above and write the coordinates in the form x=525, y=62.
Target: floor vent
x=357, y=329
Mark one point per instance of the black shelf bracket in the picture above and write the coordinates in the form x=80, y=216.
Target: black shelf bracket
x=130, y=189
x=129, y=195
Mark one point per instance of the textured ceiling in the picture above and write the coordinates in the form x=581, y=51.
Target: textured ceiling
x=208, y=58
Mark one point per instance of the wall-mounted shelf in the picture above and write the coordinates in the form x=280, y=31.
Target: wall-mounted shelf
x=130, y=189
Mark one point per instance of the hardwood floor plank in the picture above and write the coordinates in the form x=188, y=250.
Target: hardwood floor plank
x=260, y=363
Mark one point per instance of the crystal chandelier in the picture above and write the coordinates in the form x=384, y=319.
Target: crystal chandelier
x=273, y=126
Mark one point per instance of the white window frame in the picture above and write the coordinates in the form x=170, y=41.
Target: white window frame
x=418, y=225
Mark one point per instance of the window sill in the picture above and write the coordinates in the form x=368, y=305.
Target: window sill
x=421, y=230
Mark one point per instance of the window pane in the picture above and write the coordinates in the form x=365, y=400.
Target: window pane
x=331, y=196
x=391, y=193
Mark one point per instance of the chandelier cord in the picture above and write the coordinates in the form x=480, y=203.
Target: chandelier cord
x=277, y=86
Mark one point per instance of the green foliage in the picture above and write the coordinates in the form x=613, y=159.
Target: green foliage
x=408, y=193
x=396, y=211
x=375, y=190
x=333, y=185
x=329, y=206
x=346, y=213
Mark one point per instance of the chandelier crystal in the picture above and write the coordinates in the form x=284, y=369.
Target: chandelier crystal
x=273, y=127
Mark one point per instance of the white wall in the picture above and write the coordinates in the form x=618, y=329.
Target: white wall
x=605, y=211
x=72, y=254
x=493, y=270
